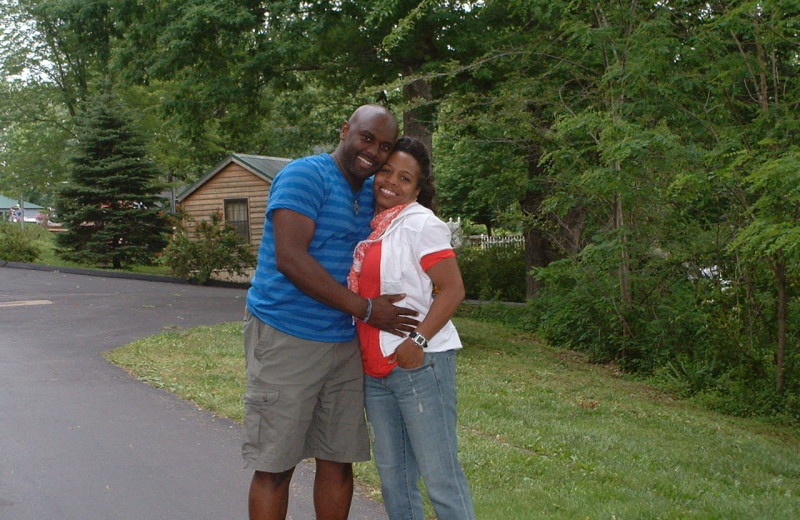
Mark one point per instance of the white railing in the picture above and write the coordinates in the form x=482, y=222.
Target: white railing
x=485, y=241
x=457, y=238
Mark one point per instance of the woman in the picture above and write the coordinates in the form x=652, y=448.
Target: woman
x=409, y=382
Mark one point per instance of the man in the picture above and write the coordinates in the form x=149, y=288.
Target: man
x=304, y=377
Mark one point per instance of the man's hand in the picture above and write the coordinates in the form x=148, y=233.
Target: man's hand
x=409, y=355
x=391, y=318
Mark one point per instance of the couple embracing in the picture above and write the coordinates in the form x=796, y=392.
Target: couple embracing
x=350, y=242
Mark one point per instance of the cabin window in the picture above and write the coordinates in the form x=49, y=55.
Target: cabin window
x=237, y=215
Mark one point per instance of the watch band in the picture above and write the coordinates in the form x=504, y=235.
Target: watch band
x=419, y=339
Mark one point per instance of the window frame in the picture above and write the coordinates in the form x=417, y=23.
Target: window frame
x=242, y=227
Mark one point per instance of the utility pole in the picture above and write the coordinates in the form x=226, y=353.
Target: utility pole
x=21, y=212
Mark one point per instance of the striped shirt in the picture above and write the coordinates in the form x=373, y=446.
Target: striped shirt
x=314, y=187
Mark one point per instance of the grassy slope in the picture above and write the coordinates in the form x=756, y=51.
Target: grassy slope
x=544, y=434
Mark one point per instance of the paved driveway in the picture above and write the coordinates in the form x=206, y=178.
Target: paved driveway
x=80, y=439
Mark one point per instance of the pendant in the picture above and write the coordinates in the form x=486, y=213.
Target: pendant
x=355, y=206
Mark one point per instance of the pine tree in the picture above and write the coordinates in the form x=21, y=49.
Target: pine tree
x=111, y=207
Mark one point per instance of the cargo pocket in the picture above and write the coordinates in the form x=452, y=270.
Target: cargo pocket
x=259, y=429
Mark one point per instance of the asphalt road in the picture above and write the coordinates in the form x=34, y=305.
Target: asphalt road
x=80, y=439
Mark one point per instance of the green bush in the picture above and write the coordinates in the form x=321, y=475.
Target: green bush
x=216, y=247
x=19, y=244
x=493, y=273
x=572, y=311
x=711, y=339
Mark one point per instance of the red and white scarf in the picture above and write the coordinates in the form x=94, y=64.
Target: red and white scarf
x=379, y=223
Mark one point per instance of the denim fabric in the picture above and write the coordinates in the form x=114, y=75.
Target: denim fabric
x=412, y=414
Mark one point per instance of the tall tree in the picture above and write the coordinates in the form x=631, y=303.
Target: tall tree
x=112, y=208
x=33, y=130
x=232, y=65
x=54, y=55
x=495, y=124
x=203, y=59
x=756, y=78
x=66, y=43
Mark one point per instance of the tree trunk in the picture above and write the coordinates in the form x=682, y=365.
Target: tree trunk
x=780, y=275
x=541, y=246
x=624, y=268
x=539, y=250
x=552, y=237
x=417, y=121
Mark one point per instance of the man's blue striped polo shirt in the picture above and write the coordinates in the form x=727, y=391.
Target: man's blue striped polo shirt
x=314, y=187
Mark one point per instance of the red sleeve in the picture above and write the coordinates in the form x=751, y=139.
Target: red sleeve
x=432, y=259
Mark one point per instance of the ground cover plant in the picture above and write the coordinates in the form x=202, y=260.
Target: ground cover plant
x=544, y=434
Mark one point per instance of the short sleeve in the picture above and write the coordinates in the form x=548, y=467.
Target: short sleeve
x=432, y=259
x=299, y=187
x=433, y=237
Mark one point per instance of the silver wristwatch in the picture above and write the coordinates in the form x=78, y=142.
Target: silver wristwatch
x=419, y=339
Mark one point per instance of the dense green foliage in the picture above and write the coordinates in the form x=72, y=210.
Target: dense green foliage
x=19, y=244
x=214, y=247
x=493, y=273
x=650, y=148
x=111, y=208
x=680, y=168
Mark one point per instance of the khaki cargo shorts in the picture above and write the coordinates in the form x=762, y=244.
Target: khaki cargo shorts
x=304, y=399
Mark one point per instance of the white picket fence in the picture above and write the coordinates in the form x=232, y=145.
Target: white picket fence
x=482, y=241
x=485, y=241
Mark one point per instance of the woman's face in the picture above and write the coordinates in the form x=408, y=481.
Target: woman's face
x=397, y=182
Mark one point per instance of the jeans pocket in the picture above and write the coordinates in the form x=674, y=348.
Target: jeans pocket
x=426, y=363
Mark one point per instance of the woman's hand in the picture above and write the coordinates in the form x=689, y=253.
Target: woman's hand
x=409, y=355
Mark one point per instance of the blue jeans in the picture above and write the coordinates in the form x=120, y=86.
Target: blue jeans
x=413, y=418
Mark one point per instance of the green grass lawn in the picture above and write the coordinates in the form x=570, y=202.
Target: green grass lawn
x=47, y=246
x=543, y=433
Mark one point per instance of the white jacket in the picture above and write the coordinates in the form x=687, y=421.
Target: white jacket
x=414, y=233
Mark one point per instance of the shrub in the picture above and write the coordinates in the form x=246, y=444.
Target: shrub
x=18, y=244
x=216, y=247
x=690, y=377
x=572, y=311
x=666, y=321
x=710, y=338
x=493, y=273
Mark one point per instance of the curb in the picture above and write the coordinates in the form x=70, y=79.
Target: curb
x=122, y=275
x=173, y=279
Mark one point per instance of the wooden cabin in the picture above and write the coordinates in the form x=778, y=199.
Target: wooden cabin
x=237, y=188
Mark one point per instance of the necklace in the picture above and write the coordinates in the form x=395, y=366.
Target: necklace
x=355, y=205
